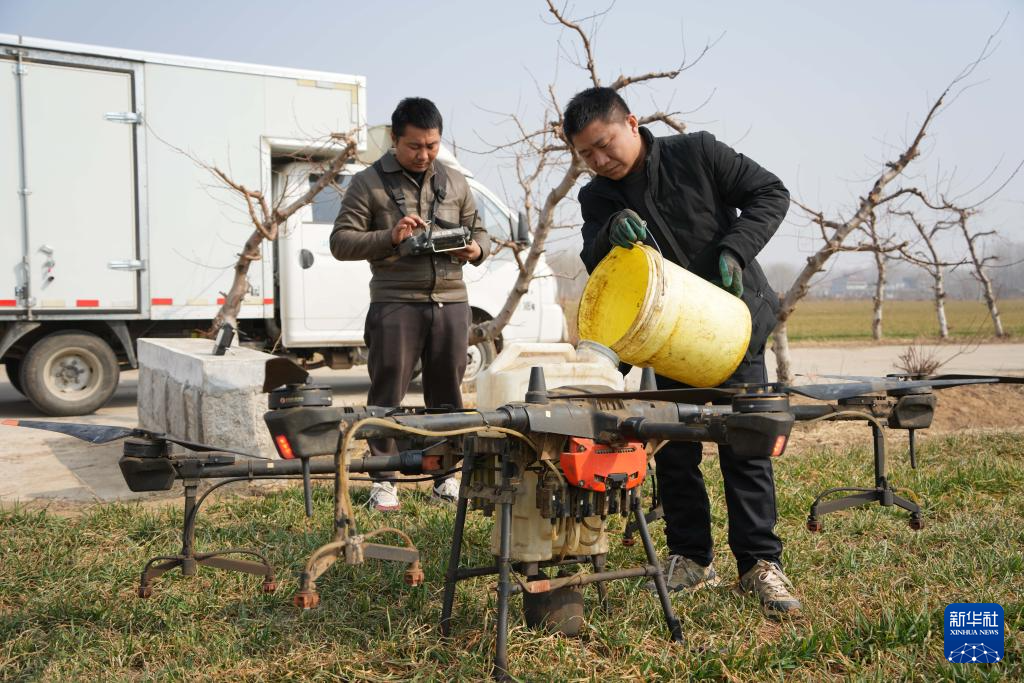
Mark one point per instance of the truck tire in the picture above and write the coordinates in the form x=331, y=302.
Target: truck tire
x=69, y=373
x=13, y=367
x=479, y=357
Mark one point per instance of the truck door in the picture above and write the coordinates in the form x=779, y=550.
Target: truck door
x=12, y=272
x=324, y=300
x=79, y=140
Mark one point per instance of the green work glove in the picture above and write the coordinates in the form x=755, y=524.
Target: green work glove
x=731, y=271
x=626, y=227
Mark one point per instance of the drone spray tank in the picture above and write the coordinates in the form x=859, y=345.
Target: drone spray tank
x=568, y=490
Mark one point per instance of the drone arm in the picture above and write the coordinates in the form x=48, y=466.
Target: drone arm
x=159, y=474
x=751, y=435
x=314, y=431
x=406, y=462
x=643, y=429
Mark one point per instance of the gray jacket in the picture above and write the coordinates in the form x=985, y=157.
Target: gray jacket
x=362, y=230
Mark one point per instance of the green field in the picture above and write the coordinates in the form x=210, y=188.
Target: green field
x=874, y=591
x=839, y=319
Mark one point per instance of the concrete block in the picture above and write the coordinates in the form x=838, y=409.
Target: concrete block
x=186, y=391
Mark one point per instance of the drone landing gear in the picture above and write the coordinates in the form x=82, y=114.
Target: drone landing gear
x=883, y=493
x=354, y=548
x=551, y=603
x=189, y=561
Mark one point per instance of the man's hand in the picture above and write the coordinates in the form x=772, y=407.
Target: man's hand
x=470, y=253
x=403, y=228
x=731, y=271
x=625, y=228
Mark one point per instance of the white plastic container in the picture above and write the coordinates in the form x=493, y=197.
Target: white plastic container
x=507, y=378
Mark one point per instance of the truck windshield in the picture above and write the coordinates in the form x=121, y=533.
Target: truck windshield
x=496, y=223
x=327, y=202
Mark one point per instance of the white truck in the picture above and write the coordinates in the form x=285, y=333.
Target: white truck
x=112, y=231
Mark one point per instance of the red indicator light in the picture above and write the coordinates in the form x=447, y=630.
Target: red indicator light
x=780, y=445
x=283, y=447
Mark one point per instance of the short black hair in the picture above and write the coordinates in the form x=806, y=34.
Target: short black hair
x=591, y=105
x=415, y=111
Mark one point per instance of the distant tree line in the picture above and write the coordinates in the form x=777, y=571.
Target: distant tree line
x=906, y=281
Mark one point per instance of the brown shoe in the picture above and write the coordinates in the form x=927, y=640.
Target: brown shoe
x=682, y=573
x=772, y=587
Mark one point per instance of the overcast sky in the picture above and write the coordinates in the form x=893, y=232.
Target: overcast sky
x=818, y=92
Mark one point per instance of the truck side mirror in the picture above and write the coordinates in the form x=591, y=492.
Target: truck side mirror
x=523, y=230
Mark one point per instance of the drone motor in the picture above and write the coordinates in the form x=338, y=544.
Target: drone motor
x=760, y=403
x=298, y=395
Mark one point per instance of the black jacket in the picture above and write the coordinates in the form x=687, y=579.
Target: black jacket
x=695, y=185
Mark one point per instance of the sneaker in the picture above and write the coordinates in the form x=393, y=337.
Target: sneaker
x=384, y=497
x=682, y=573
x=772, y=587
x=447, y=490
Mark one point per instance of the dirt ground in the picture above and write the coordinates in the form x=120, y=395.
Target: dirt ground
x=959, y=409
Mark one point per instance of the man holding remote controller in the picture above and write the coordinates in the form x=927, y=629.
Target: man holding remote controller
x=419, y=308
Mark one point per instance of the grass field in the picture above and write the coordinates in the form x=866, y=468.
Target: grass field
x=831, y=319
x=874, y=591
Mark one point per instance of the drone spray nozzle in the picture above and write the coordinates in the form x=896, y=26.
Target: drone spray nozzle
x=537, y=390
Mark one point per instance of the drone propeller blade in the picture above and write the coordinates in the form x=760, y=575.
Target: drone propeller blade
x=681, y=395
x=207, y=448
x=278, y=371
x=106, y=433
x=90, y=433
x=1000, y=379
x=835, y=392
x=856, y=378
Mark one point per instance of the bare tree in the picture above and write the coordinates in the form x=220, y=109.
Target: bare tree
x=834, y=231
x=961, y=215
x=878, y=299
x=880, y=246
x=548, y=167
x=980, y=263
x=267, y=216
x=931, y=262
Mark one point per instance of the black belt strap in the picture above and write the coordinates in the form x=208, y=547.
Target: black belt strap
x=393, y=185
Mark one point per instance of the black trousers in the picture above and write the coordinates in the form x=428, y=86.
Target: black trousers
x=399, y=334
x=749, y=494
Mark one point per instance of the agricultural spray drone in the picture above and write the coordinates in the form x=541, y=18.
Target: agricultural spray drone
x=553, y=468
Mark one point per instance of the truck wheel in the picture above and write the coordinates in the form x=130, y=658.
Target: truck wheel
x=479, y=357
x=69, y=373
x=13, y=367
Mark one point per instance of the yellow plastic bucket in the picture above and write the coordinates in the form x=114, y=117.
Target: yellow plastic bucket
x=656, y=314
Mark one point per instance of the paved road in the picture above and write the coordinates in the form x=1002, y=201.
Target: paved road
x=38, y=465
x=998, y=359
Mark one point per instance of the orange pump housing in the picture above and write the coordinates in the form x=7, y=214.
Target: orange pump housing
x=591, y=465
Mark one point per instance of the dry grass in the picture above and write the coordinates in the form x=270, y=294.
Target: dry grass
x=874, y=590
x=842, y=319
